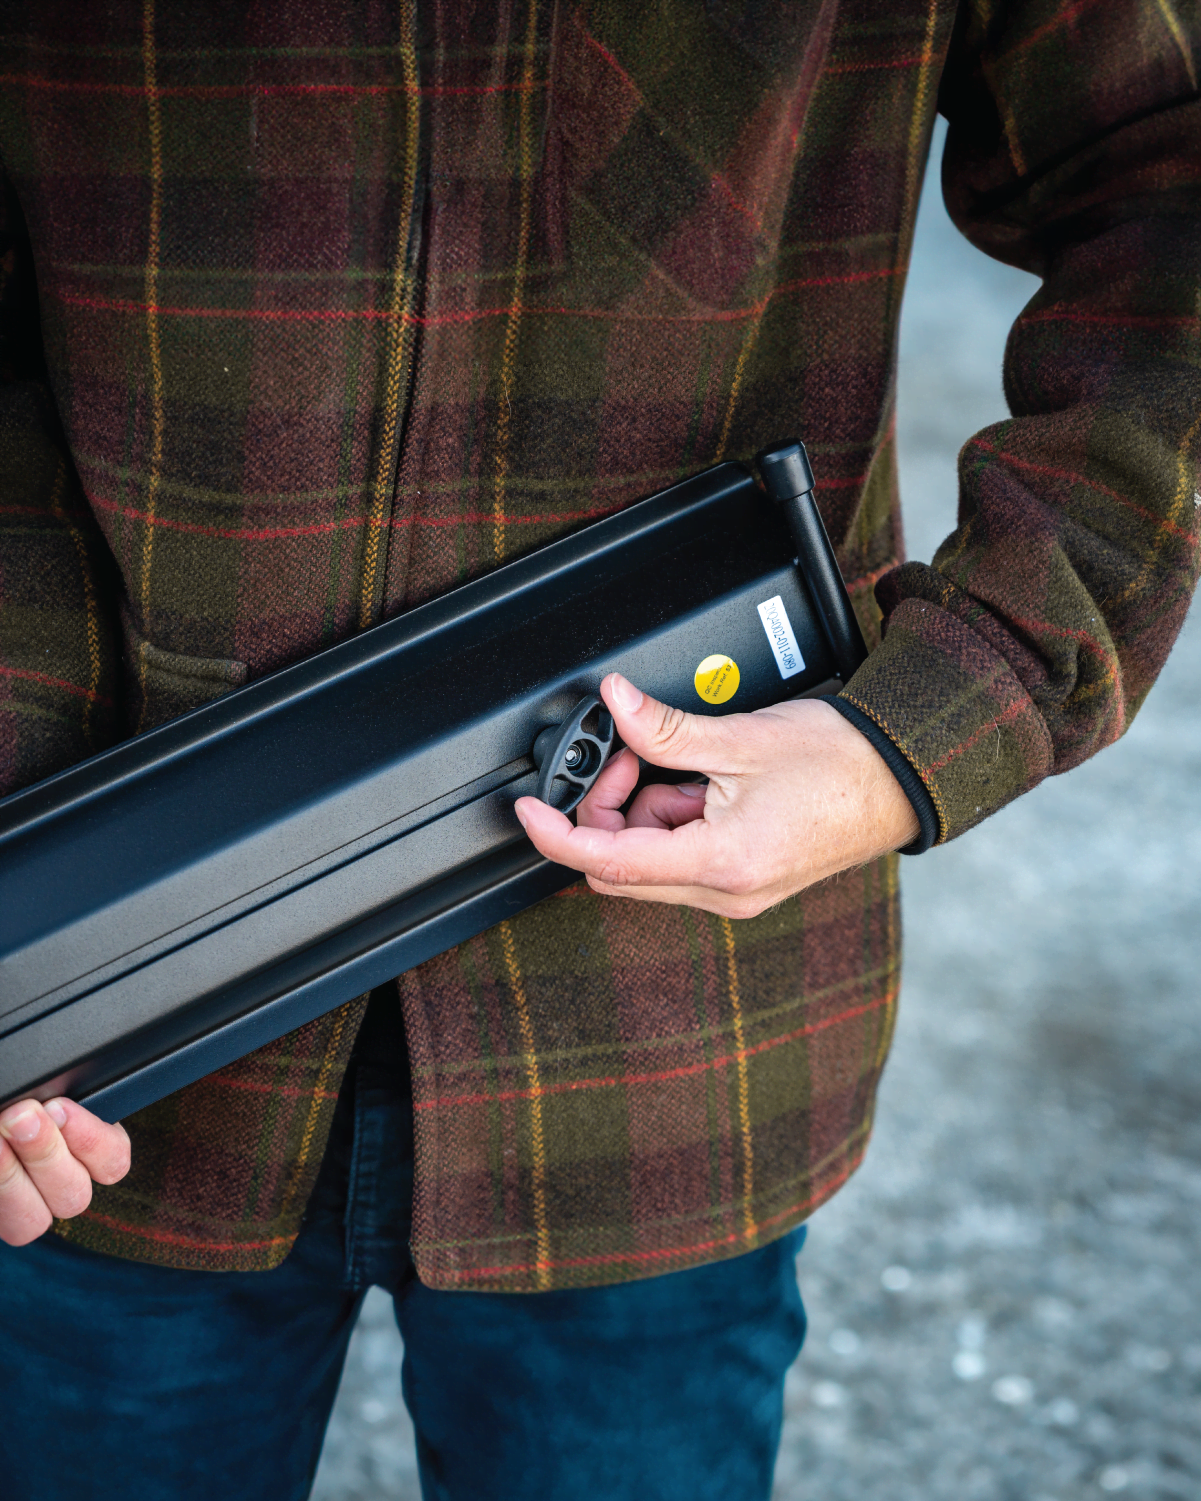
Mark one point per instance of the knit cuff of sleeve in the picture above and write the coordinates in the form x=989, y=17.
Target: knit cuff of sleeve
x=956, y=711
x=911, y=784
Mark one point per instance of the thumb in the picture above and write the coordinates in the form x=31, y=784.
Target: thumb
x=668, y=737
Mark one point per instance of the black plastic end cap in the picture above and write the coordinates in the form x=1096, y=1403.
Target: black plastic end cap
x=784, y=469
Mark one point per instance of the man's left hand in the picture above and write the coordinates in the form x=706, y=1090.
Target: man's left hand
x=795, y=794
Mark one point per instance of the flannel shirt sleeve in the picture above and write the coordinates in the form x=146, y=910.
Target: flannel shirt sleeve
x=1073, y=151
x=58, y=637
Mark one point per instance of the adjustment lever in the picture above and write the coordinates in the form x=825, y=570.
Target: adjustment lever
x=570, y=758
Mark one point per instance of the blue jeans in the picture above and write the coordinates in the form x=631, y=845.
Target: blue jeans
x=151, y=1384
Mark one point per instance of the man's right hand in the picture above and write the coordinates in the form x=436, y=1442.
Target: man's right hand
x=49, y=1157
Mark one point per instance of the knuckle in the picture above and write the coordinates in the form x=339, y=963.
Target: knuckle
x=612, y=873
x=116, y=1167
x=11, y=1171
x=48, y=1149
x=28, y=1227
x=87, y=1136
x=73, y=1199
x=674, y=729
x=738, y=882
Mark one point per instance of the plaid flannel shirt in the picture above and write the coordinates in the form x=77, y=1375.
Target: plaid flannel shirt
x=311, y=312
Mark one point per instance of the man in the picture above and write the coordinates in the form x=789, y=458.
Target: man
x=340, y=307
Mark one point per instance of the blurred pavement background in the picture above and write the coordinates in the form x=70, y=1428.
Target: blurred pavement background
x=1005, y=1302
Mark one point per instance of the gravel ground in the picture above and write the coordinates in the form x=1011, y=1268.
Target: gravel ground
x=1004, y=1301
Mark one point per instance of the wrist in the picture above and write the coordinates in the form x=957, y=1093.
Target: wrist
x=878, y=815
x=925, y=823
x=851, y=808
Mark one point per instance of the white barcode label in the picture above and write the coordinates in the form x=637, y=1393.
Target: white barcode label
x=779, y=633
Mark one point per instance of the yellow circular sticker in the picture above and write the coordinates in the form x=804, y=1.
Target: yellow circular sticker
x=717, y=678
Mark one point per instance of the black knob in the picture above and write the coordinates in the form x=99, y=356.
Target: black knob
x=570, y=756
